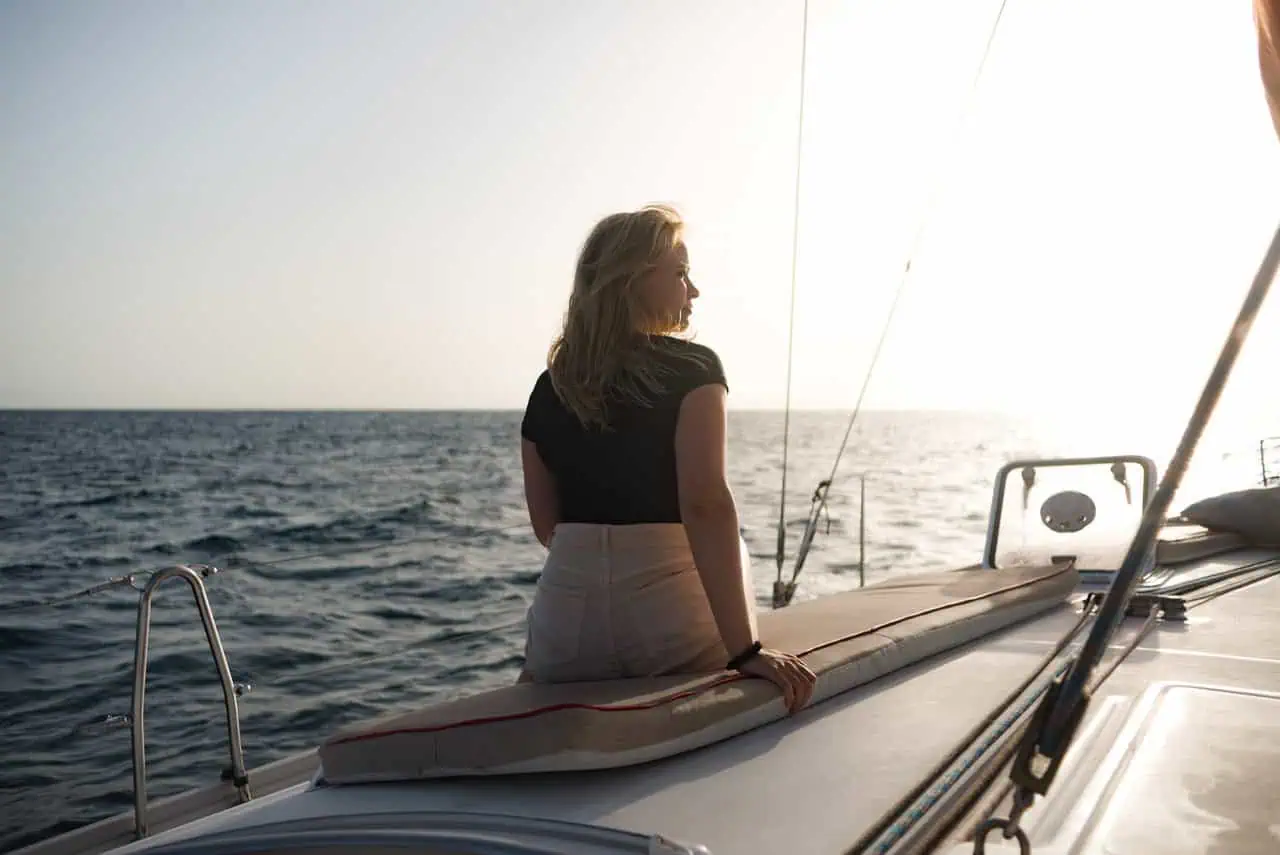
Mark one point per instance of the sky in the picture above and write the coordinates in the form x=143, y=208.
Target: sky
x=315, y=204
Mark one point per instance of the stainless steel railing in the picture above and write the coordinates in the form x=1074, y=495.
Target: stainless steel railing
x=194, y=576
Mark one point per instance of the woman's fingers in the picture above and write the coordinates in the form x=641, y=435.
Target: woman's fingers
x=797, y=691
x=786, y=682
x=806, y=692
x=789, y=673
x=801, y=689
x=804, y=681
x=782, y=682
x=792, y=685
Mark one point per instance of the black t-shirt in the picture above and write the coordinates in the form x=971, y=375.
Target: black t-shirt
x=627, y=473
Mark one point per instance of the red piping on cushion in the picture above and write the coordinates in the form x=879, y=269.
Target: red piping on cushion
x=679, y=696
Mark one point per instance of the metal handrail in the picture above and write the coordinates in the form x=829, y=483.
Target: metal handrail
x=237, y=773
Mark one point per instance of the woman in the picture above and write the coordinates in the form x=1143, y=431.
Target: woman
x=623, y=449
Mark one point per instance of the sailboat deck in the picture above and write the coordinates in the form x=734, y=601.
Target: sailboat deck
x=814, y=782
x=807, y=784
x=1188, y=728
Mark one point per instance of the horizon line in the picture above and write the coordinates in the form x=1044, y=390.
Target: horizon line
x=189, y=409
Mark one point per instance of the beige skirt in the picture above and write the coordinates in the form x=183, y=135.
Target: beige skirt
x=618, y=601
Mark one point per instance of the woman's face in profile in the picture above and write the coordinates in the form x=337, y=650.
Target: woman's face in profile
x=668, y=292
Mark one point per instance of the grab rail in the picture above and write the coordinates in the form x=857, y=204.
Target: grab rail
x=1269, y=457
x=237, y=774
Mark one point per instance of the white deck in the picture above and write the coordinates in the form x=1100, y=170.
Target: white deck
x=1191, y=766
x=812, y=784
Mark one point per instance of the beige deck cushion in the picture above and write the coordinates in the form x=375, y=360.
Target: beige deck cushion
x=847, y=639
x=1252, y=514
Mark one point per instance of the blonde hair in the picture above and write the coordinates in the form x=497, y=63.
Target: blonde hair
x=604, y=351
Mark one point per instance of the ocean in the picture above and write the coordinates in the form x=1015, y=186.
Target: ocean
x=374, y=561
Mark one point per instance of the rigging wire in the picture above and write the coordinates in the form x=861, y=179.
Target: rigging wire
x=791, y=321
x=783, y=593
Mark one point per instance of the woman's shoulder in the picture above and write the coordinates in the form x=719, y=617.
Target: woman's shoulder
x=692, y=360
x=542, y=397
x=542, y=394
x=683, y=347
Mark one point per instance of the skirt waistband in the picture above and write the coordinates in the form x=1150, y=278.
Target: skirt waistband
x=602, y=536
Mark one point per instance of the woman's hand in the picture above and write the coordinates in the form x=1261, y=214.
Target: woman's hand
x=785, y=671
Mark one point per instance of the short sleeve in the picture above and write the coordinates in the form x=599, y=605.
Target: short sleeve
x=534, y=411
x=704, y=369
x=713, y=372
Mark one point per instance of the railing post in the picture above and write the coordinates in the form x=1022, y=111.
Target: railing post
x=862, y=530
x=1269, y=459
x=239, y=777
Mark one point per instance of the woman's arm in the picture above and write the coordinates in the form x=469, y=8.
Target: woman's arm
x=539, y=493
x=709, y=512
